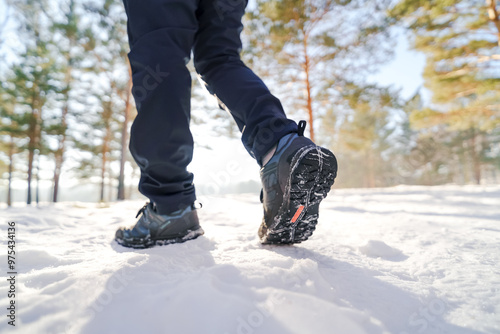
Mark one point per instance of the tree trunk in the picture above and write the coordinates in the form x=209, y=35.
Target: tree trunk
x=101, y=198
x=103, y=172
x=31, y=155
x=109, y=184
x=105, y=148
x=34, y=133
x=124, y=139
x=307, y=66
x=37, y=178
x=132, y=188
x=493, y=15
x=59, y=158
x=55, y=191
x=476, y=158
x=59, y=154
x=11, y=167
x=371, y=170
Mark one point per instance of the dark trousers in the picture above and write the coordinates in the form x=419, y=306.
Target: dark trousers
x=162, y=34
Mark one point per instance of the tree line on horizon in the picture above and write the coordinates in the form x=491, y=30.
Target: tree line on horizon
x=66, y=104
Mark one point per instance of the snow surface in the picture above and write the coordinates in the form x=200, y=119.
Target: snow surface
x=396, y=260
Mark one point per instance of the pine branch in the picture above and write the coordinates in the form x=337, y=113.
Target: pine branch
x=4, y=23
x=493, y=15
x=482, y=59
x=466, y=92
x=456, y=73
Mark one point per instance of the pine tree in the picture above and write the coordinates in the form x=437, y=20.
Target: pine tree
x=462, y=42
x=4, y=19
x=31, y=85
x=365, y=134
x=11, y=133
x=98, y=143
x=112, y=58
x=32, y=81
x=319, y=47
x=73, y=41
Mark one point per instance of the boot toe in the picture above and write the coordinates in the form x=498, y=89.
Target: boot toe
x=119, y=234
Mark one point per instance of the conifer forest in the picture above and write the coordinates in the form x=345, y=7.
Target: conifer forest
x=66, y=105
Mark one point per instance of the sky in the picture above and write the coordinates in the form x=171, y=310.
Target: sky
x=405, y=70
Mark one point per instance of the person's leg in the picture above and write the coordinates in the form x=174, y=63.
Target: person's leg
x=299, y=174
x=161, y=34
x=257, y=112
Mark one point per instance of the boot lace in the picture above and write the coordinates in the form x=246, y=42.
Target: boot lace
x=141, y=210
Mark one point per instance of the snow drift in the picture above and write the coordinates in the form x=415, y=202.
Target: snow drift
x=396, y=260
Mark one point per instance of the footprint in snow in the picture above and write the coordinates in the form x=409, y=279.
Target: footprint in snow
x=379, y=249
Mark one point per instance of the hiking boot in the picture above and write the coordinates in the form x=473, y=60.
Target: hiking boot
x=294, y=182
x=155, y=229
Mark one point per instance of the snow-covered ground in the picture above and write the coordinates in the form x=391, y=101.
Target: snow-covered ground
x=396, y=260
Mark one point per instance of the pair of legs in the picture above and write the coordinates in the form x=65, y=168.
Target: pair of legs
x=295, y=179
x=162, y=34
